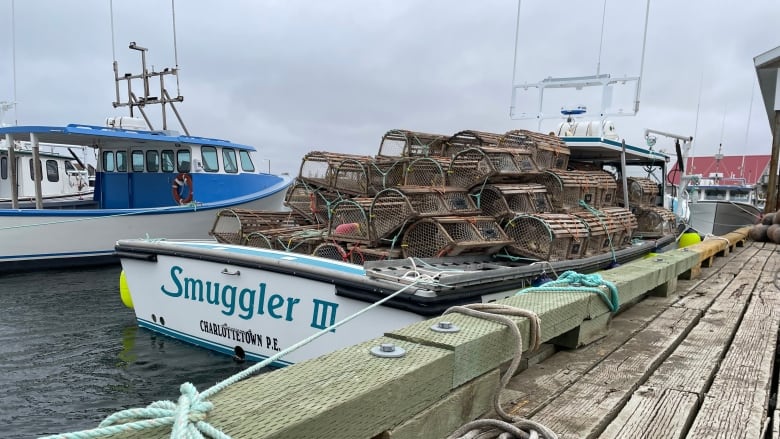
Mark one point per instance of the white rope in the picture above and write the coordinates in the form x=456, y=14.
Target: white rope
x=510, y=426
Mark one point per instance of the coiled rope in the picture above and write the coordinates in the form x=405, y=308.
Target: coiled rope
x=187, y=417
x=509, y=426
x=573, y=282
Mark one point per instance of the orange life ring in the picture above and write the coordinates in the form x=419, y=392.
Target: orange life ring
x=183, y=179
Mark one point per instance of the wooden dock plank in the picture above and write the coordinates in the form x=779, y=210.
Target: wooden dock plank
x=531, y=390
x=736, y=404
x=692, y=365
x=654, y=412
x=587, y=406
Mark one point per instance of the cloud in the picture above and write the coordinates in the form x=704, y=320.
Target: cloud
x=295, y=76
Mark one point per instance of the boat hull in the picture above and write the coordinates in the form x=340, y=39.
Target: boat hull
x=180, y=289
x=52, y=238
x=251, y=313
x=721, y=217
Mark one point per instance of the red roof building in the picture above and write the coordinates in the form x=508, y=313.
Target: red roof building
x=728, y=168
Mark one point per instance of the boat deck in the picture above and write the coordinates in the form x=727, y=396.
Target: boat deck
x=696, y=364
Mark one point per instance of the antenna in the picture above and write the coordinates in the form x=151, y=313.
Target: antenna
x=13, y=55
x=134, y=101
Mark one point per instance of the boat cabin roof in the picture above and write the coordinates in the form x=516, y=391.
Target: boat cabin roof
x=98, y=136
x=597, y=149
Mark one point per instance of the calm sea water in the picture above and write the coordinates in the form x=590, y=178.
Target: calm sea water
x=71, y=354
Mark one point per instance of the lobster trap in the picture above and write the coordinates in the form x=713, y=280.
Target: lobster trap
x=365, y=176
x=567, y=188
x=395, y=207
x=603, y=232
x=300, y=239
x=641, y=191
x=626, y=223
x=547, y=236
x=452, y=236
x=606, y=186
x=360, y=255
x=654, y=221
x=331, y=250
x=469, y=167
x=468, y=139
x=232, y=226
x=311, y=202
x=403, y=143
x=427, y=171
x=548, y=151
x=350, y=221
x=504, y=201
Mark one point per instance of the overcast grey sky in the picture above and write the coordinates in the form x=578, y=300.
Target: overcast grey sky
x=292, y=76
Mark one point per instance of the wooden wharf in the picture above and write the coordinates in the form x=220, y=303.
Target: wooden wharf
x=690, y=354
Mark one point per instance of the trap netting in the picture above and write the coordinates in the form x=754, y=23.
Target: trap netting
x=504, y=201
x=396, y=207
x=654, y=221
x=312, y=202
x=641, y=191
x=231, y=226
x=547, y=151
x=404, y=143
x=547, y=236
x=451, y=236
x=300, y=239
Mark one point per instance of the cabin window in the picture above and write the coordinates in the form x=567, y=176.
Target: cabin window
x=246, y=162
x=740, y=195
x=121, y=161
x=166, y=160
x=229, y=160
x=108, y=161
x=183, y=160
x=152, y=161
x=137, y=158
x=715, y=194
x=52, y=171
x=210, y=162
x=4, y=168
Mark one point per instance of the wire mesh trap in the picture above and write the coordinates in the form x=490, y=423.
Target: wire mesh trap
x=641, y=191
x=451, y=236
x=350, y=221
x=504, y=201
x=395, y=207
x=404, y=143
x=300, y=239
x=231, y=226
x=654, y=221
x=547, y=236
x=547, y=151
x=312, y=202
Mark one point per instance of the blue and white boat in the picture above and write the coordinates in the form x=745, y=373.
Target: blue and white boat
x=148, y=183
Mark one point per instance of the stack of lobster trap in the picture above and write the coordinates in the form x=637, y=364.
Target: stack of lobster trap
x=429, y=195
x=654, y=221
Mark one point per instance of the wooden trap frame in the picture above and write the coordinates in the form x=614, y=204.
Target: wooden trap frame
x=394, y=208
x=654, y=221
x=404, y=143
x=547, y=236
x=300, y=239
x=641, y=191
x=452, y=236
x=232, y=226
x=548, y=151
x=504, y=201
x=311, y=202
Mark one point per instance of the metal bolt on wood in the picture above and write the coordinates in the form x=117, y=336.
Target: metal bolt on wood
x=445, y=327
x=388, y=350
